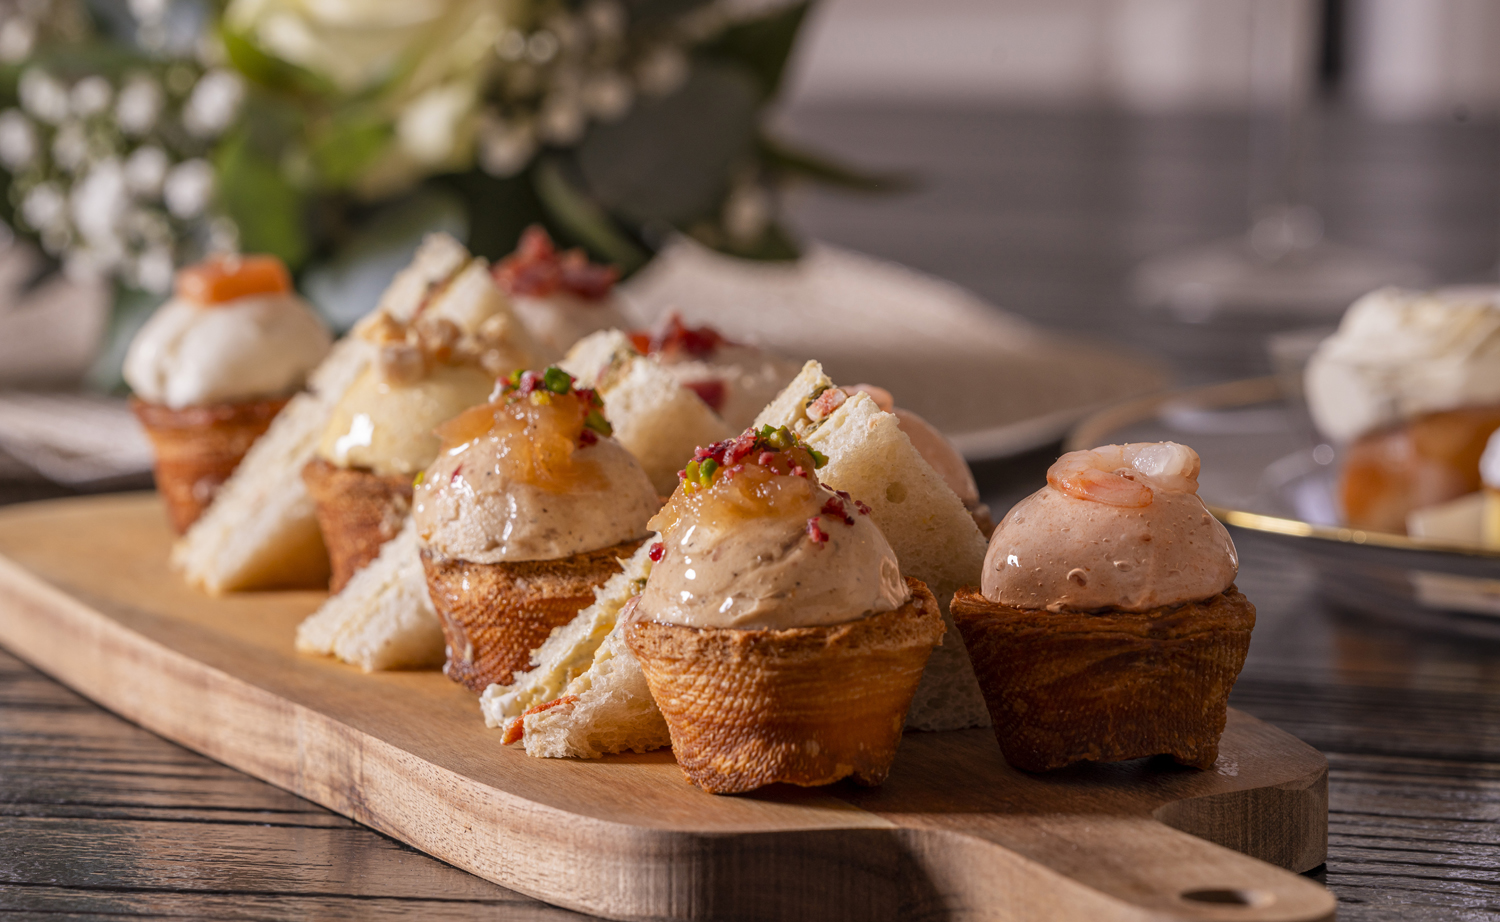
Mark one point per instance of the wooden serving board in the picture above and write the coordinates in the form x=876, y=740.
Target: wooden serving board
x=86, y=595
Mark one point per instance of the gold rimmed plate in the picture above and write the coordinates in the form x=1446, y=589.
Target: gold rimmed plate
x=1265, y=470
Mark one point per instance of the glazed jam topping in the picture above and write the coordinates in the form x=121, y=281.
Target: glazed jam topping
x=542, y=419
x=760, y=473
x=537, y=270
x=675, y=339
x=221, y=279
x=750, y=539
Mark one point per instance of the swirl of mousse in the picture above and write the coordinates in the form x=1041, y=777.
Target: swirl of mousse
x=531, y=476
x=234, y=332
x=1400, y=354
x=560, y=297
x=1117, y=527
x=752, y=540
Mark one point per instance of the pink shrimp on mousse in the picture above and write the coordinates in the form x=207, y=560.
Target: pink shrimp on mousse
x=1124, y=475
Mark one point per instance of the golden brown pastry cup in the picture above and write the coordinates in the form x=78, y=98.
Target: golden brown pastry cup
x=805, y=706
x=1425, y=461
x=495, y=614
x=358, y=511
x=1065, y=687
x=197, y=448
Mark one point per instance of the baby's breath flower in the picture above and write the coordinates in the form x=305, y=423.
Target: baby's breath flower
x=18, y=141
x=606, y=19
x=98, y=202
x=43, y=96
x=145, y=170
x=608, y=95
x=70, y=146
x=505, y=147
x=90, y=96
x=139, y=105
x=561, y=120
x=214, y=103
x=153, y=270
x=17, y=37
x=662, y=71
x=45, y=208
x=188, y=188
x=542, y=46
x=511, y=45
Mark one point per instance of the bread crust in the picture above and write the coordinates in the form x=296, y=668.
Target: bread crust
x=805, y=706
x=495, y=614
x=358, y=511
x=1065, y=687
x=197, y=448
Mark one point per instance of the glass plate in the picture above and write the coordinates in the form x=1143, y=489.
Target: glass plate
x=1265, y=470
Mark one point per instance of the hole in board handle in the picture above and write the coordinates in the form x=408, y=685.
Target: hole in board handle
x=1228, y=896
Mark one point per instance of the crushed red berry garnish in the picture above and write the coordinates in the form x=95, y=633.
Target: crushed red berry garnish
x=536, y=269
x=711, y=392
x=815, y=532
x=674, y=336
x=835, y=507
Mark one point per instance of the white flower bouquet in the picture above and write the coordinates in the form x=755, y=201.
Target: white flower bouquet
x=137, y=136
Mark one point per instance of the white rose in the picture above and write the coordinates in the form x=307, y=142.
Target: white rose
x=359, y=43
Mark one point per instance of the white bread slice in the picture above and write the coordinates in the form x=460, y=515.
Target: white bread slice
x=610, y=708
x=438, y=259
x=933, y=535
x=591, y=358
x=260, y=532
x=607, y=709
x=654, y=418
x=384, y=618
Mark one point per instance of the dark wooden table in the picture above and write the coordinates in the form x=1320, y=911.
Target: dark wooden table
x=1045, y=214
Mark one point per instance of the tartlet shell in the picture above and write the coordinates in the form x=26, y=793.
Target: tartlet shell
x=805, y=706
x=1066, y=687
x=358, y=511
x=197, y=448
x=495, y=614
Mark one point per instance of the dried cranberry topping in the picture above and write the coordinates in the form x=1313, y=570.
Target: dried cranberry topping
x=816, y=533
x=711, y=391
x=536, y=269
x=673, y=336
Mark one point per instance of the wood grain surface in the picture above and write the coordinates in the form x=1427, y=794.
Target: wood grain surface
x=954, y=832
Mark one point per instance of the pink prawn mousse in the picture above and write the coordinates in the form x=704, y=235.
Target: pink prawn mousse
x=1119, y=527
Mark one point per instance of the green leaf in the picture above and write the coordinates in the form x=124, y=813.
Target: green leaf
x=762, y=46
x=584, y=220
x=670, y=161
x=348, y=145
x=267, y=209
x=272, y=72
x=783, y=158
x=497, y=210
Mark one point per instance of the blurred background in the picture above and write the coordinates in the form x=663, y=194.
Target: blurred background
x=1144, y=174
x=1096, y=165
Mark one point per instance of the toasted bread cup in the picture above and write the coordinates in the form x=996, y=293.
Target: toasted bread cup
x=197, y=448
x=805, y=706
x=358, y=511
x=495, y=614
x=1065, y=687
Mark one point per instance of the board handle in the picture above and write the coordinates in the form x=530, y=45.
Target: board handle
x=1093, y=869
